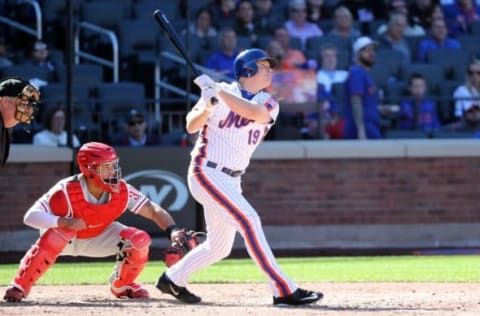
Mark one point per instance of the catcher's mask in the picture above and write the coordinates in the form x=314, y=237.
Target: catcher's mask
x=99, y=162
x=26, y=98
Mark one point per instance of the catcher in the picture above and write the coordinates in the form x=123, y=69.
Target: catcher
x=77, y=217
x=18, y=104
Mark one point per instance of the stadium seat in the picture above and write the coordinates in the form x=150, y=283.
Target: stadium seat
x=28, y=72
x=413, y=42
x=474, y=27
x=106, y=14
x=451, y=134
x=315, y=43
x=143, y=9
x=446, y=104
x=405, y=134
x=84, y=117
x=295, y=42
x=453, y=62
x=381, y=75
x=55, y=9
x=133, y=37
x=389, y=58
x=469, y=43
x=432, y=73
x=243, y=42
x=395, y=91
x=85, y=74
x=115, y=100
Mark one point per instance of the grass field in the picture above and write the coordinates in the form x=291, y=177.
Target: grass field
x=458, y=268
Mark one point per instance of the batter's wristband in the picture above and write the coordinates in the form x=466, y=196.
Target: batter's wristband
x=170, y=229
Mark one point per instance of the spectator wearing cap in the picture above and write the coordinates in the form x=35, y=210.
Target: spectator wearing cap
x=18, y=104
x=469, y=122
x=54, y=133
x=297, y=24
x=362, y=117
x=136, y=132
x=39, y=56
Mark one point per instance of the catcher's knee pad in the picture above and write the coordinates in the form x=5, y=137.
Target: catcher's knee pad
x=41, y=256
x=131, y=257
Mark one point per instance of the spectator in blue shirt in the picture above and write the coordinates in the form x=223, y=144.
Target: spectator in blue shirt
x=221, y=61
x=460, y=13
x=437, y=39
x=362, y=117
x=417, y=112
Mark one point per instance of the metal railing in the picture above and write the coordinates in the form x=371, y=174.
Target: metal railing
x=114, y=63
x=38, y=31
x=159, y=84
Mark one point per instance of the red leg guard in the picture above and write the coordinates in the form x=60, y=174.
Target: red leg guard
x=40, y=257
x=131, y=258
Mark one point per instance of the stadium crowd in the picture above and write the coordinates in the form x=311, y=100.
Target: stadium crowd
x=425, y=68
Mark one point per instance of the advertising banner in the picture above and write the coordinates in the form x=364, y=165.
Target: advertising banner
x=159, y=173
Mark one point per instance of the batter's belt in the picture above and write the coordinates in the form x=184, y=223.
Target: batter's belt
x=230, y=172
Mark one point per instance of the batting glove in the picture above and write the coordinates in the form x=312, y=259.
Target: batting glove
x=207, y=95
x=204, y=81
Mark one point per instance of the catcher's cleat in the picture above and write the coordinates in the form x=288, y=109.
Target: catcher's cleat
x=13, y=294
x=132, y=290
x=181, y=293
x=299, y=297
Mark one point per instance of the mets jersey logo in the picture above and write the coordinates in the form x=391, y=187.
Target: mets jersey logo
x=234, y=120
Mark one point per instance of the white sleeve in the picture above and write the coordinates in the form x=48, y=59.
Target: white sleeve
x=136, y=199
x=37, y=217
x=460, y=102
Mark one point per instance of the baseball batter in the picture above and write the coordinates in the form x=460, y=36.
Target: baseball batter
x=229, y=132
x=77, y=217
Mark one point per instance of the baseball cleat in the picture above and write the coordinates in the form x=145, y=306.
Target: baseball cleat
x=133, y=290
x=13, y=294
x=180, y=293
x=299, y=297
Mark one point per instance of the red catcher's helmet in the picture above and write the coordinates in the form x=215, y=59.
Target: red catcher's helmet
x=93, y=155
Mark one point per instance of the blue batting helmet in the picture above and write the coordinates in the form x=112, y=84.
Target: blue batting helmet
x=245, y=63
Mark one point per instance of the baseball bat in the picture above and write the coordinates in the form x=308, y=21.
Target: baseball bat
x=172, y=36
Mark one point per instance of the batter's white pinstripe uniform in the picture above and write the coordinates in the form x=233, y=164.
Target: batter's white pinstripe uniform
x=221, y=154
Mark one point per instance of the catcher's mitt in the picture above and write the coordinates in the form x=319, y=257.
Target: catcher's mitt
x=181, y=246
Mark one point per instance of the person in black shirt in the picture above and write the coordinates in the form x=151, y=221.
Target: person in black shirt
x=18, y=104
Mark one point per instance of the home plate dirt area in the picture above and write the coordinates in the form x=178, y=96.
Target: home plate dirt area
x=439, y=299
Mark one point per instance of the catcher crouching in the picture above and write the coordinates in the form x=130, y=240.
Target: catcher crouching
x=77, y=217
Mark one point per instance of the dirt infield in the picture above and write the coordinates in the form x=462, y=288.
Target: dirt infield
x=439, y=299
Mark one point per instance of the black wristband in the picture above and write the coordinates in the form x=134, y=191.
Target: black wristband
x=170, y=229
